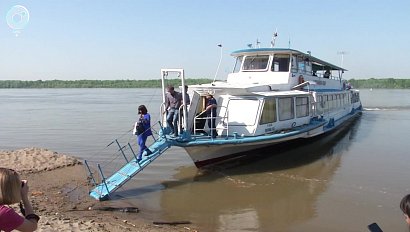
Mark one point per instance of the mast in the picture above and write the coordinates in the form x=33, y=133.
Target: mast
x=272, y=43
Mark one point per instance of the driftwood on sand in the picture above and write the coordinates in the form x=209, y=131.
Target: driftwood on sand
x=171, y=223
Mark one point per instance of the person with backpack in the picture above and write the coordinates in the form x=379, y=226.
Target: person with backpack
x=142, y=129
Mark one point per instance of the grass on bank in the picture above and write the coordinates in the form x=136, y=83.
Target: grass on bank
x=96, y=83
x=387, y=83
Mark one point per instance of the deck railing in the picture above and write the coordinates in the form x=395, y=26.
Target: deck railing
x=222, y=122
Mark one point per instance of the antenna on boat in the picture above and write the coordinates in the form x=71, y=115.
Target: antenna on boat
x=258, y=43
x=219, y=64
x=249, y=45
x=289, y=43
x=272, y=43
x=342, y=53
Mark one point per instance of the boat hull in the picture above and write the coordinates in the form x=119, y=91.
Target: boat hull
x=212, y=153
x=204, y=155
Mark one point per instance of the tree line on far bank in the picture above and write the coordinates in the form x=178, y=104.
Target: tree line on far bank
x=388, y=83
x=97, y=83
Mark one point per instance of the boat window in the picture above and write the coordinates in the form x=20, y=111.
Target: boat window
x=340, y=100
x=294, y=64
x=302, y=107
x=256, y=63
x=285, y=106
x=238, y=64
x=308, y=66
x=330, y=102
x=337, y=100
x=301, y=64
x=320, y=105
x=280, y=63
x=269, y=111
x=355, y=97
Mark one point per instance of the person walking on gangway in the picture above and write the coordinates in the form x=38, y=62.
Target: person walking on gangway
x=142, y=129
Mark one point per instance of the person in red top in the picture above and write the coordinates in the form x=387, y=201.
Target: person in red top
x=14, y=190
x=405, y=207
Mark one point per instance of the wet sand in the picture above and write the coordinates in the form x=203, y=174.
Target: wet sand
x=59, y=194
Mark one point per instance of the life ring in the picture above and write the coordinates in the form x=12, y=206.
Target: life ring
x=301, y=79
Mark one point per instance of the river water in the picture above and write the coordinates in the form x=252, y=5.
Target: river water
x=339, y=183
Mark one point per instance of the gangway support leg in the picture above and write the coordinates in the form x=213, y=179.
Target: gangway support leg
x=103, y=179
x=91, y=174
x=105, y=189
x=135, y=156
x=122, y=151
x=162, y=130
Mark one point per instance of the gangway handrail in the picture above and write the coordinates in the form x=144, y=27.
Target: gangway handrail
x=132, y=166
x=180, y=117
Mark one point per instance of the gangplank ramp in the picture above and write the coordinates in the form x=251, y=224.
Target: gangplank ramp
x=109, y=185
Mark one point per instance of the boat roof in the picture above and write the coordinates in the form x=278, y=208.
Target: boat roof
x=317, y=63
x=282, y=93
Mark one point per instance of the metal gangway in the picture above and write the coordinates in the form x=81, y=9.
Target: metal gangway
x=103, y=190
x=108, y=185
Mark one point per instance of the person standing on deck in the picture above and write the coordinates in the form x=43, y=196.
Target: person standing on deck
x=142, y=129
x=186, y=104
x=187, y=99
x=210, y=109
x=173, y=101
x=327, y=74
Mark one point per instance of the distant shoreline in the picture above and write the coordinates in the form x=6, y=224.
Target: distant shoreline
x=39, y=84
x=386, y=83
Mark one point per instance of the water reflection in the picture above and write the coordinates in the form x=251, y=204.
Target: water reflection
x=266, y=193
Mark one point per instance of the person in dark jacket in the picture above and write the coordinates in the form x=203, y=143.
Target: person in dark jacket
x=210, y=109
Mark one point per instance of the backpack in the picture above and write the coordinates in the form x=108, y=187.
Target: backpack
x=139, y=129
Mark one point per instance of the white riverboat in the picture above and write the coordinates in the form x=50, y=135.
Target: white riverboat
x=273, y=95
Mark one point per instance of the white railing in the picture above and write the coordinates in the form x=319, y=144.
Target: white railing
x=221, y=122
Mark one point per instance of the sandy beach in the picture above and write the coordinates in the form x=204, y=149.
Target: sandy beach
x=59, y=194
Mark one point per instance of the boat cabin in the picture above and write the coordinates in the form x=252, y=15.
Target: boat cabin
x=271, y=90
x=283, y=69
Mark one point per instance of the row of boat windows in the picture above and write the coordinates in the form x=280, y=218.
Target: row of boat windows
x=285, y=109
x=280, y=63
x=331, y=101
x=334, y=101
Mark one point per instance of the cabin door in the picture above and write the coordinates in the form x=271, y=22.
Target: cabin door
x=195, y=102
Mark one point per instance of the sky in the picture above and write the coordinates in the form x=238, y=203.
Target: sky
x=134, y=39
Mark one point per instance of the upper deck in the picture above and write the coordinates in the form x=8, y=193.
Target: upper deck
x=282, y=69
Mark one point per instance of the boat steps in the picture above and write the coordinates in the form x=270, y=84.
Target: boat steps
x=103, y=190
